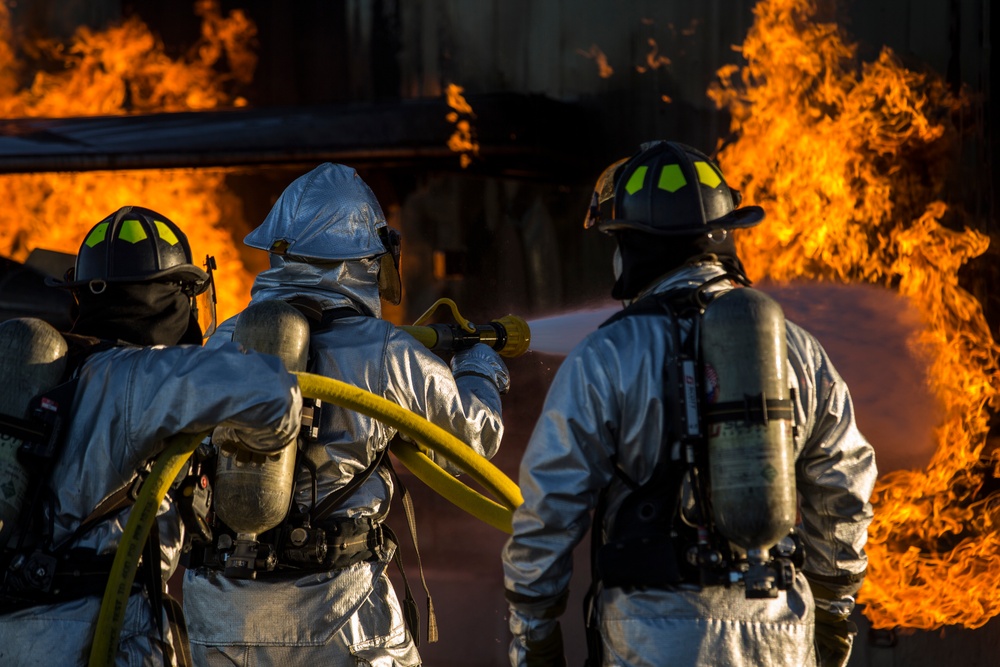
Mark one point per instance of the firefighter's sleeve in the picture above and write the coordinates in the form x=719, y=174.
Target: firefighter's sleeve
x=463, y=399
x=190, y=389
x=835, y=473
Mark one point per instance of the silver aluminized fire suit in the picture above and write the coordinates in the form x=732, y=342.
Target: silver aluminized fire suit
x=348, y=616
x=127, y=402
x=606, y=403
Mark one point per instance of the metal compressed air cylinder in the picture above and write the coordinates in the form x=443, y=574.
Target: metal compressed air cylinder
x=253, y=490
x=749, y=419
x=32, y=360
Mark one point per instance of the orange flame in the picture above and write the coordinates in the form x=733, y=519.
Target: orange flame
x=848, y=163
x=462, y=140
x=119, y=71
x=654, y=59
x=604, y=70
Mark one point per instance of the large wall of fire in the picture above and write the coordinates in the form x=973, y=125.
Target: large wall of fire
x=854, y=151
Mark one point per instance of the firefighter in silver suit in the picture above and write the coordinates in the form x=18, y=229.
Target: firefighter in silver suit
x=334, y=257
x=141, y=377
x=606, y=430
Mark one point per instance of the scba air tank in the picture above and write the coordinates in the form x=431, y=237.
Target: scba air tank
x=253, y=490
x=749, y=419
x=32, y=360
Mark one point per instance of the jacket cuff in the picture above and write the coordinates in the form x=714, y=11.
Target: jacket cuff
x=540, y=606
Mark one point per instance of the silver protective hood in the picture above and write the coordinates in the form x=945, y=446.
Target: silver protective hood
x=328, y=214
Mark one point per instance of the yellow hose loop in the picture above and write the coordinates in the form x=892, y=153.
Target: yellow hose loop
x=109, y=622
x=416, y=427
x=431, y=474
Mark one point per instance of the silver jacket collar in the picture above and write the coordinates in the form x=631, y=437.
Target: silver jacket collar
x=689, y=275
x=333, y=284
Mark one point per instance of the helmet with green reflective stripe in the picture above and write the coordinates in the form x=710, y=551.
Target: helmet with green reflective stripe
x=667, y=189
x=136, y=244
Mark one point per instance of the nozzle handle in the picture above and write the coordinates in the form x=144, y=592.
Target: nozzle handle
x=509, y=336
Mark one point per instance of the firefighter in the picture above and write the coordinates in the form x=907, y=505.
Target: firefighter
x=137, y=375
x=618, y=436
x=333, y=257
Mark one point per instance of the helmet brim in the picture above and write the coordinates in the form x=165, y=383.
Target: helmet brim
x=740, y=218
x=188, y=273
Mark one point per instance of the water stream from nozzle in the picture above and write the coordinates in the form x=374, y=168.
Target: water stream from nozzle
x=558, y=334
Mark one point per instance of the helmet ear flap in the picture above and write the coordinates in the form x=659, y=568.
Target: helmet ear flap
x=390, y=285
x=737, y=197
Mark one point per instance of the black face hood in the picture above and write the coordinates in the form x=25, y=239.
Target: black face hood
x=646, y=257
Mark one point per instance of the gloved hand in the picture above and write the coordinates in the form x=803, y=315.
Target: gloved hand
x=546, y=651
x=482, y=360
x=834, y=638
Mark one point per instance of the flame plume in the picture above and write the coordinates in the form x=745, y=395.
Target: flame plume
x=124, y=70
x=848, y=161
x=462, y=140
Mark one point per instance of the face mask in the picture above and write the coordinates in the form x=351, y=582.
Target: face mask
x=616, y=262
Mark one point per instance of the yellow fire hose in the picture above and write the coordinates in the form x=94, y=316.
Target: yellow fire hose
x=419, y=429
x=434, y=437
x=109, y=622
x=169, y=464
x=451, y=489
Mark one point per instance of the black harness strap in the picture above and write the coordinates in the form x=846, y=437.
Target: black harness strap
x=116, y=502
x=326, y=507
x=323, y=320
x=756, y=409
x=176, y=652
x=411, y=522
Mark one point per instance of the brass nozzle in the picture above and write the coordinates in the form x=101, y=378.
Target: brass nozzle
x=518, y=336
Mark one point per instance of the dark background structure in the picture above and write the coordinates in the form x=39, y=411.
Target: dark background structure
x=362, y=81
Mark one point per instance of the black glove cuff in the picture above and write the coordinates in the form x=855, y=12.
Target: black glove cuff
x=548, y=606
x=834, y=587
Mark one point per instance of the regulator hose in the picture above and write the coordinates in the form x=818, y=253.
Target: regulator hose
x=141, y=517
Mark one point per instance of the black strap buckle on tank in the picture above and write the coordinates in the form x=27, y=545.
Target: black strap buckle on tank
x=353, y=541
x=756, y=409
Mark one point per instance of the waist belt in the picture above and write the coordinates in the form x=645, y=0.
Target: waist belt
x=39, y=578
x=335, y=544
x=351, y=541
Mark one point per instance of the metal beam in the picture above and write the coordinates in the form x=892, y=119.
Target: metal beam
x=520, y=135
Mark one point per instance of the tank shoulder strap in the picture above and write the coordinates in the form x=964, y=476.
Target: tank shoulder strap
x=681, y=301
x=52, y=412
x=321, y=320
x=79, y=348
x=663, y=303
